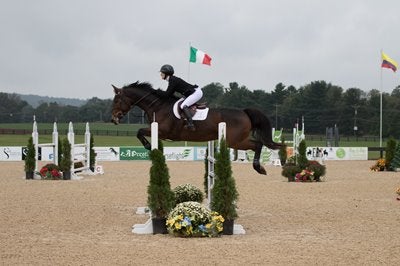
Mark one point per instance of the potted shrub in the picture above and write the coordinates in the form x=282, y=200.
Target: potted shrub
x=224, y=193
x=282, y=153
x=389, y=153
x=187, y=192
x=65, y=160
x=302, y=160
x=160, y=198
x=290, y=169
x=30, y=160
x=92, y=157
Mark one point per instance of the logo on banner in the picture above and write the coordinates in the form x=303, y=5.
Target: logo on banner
x=133, y=153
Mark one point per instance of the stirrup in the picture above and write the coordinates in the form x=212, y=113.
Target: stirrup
x=190, y=127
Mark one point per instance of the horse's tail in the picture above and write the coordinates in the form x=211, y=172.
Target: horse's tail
x=261, y=128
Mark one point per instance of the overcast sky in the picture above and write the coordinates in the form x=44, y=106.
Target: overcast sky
x=77, y=49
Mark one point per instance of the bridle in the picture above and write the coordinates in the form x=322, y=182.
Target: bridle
x=127, y=102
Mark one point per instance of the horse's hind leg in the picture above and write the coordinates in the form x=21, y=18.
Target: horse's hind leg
x=256, y=161
x=141, y=136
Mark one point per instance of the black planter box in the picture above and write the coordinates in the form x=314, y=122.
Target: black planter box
x=228, y=227
x=159, y=226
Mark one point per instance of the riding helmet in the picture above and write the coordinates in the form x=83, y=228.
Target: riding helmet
x=167, y=70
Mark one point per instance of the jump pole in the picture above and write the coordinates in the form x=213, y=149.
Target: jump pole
x=54, y=144
x=211, y=160
x=147, y=227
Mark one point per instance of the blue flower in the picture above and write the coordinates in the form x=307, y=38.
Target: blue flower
x=202, y=228
x=186, y=221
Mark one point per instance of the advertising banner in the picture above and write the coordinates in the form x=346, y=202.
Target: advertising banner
x=133, y=153
x=179, y=153
x=10, y=153
x=107, y=153
x=337, y=153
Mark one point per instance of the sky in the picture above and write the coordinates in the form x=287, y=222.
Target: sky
x=78, y=48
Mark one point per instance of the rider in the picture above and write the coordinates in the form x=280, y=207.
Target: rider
x=191, y=93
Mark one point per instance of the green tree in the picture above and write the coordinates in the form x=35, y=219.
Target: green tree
x=390, y=152
x=302, y=160
x=160, y=196
x=224, y=193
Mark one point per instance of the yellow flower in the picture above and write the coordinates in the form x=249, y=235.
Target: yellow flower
x=178, y=225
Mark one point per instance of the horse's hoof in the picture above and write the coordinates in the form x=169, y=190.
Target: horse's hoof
x=259, y=169
x=262, y=171
x=147, y=146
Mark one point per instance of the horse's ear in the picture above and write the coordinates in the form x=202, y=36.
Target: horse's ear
x=116, y=90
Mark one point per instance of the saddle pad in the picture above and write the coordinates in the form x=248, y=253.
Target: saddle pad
x=201, y=114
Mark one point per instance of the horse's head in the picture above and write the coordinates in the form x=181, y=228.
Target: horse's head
x=121, y=105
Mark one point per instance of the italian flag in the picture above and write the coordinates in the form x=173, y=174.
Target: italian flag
x=197, y=56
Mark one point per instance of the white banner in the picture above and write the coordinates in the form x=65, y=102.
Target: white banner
x=337, y=153
x=10, y=153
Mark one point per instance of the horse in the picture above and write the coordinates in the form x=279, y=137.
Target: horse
x=247, y=129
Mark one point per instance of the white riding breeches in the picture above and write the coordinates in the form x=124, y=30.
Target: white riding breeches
x=193, y=98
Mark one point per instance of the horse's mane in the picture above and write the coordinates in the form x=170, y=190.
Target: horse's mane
x=137, y=84
x=147, y=86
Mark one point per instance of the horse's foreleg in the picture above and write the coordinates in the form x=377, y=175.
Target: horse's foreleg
x=256, y=161
x=141, y=136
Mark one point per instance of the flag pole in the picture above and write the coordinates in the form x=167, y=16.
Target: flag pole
x=380, y=110
x=188, y=78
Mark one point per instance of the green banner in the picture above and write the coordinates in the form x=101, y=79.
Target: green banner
x=133, y=153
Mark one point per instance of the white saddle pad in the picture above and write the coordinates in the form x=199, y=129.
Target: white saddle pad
x=201, y=114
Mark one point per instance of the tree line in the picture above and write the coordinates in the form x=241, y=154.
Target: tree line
x=321, y=104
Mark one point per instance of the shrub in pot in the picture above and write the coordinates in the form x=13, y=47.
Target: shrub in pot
x=30, y=160
x=66, y=162
x=224, y=192
x=160, y=198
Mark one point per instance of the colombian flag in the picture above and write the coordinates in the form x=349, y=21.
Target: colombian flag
x=388, y=62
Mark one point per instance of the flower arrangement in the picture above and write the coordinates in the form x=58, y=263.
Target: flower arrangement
x=50, y=171
x=304, y=176
x=191, y=219
x=188, y=192
x=379, y=165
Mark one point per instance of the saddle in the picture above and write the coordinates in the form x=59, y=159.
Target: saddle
x=193, y=108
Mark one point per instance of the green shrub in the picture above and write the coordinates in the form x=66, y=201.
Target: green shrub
x=187, y=192
x=318, y=169
x=30, y=160
x=390, y=152
x=290, y=170
x=160, y=196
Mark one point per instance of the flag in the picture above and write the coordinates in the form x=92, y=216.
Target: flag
x=197, y=56
x=388, y=62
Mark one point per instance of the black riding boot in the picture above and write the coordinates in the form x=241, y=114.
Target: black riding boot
x=188, y=115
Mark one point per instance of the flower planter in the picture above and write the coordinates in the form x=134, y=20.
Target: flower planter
x=228, y=227
x=29, y=175
x=67, y=175
x=159, y=226
x=291, y=179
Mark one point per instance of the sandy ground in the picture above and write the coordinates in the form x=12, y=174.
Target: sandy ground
x=351, y=219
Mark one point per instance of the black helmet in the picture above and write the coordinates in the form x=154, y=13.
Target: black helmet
x=167, y=70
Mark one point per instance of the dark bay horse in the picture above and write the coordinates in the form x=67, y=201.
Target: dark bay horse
x=247, y=129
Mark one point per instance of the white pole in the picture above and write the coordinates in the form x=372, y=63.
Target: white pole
x=87, y=146
x=154, y=135
x=55, y=142
x=71, y=139
x=380, y=116
x=35, y=137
